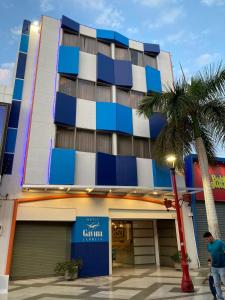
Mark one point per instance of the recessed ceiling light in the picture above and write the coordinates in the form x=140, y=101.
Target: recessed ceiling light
x=61, y=188
x=89, y=190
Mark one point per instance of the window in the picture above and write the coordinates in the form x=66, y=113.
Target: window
x=86, y=90
x=64, y=137
x=150, y=61
x=136, y=57
x=67, y=86
x=136, y=98
x=124, y=144
x=122, y=53
x=142, y=147
x=88, y=44
x=104, y=48
x=123, y=96
x=70, y=39
x=104, y=142
x=85, y=140
x=103, y=93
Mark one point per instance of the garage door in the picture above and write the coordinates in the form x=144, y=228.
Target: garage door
x=203, y=227
x=38, y=246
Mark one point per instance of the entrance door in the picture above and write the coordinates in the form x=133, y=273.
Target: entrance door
x=38, y=247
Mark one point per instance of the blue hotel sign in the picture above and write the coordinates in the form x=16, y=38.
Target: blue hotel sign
x=90, y=229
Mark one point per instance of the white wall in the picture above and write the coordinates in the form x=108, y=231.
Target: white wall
x=5, y=94
x=86, y=114
x=144, y=172
x=85, y=168
x=88, y=31
x=42, y=127
x=136, y=45
x=87, y=66
x=140, y=125
x=139, y=79
x=165, y=67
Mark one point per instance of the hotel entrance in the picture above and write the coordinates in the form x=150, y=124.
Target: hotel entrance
x=143, y=243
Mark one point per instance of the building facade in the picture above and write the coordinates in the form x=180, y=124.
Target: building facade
x=79, y=179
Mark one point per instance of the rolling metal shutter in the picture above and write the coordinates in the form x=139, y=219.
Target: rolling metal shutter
x=203, y=227
x=38, y=246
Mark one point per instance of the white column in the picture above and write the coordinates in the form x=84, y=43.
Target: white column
x=114, y=136
x=110, y=247
x=156, y=241
x=177, y=234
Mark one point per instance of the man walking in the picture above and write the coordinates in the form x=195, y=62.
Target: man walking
x=216, y=248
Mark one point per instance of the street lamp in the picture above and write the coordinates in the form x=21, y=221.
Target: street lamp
x=186, y=283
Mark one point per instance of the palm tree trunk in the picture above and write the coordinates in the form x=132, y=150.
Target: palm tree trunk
x=208, y=194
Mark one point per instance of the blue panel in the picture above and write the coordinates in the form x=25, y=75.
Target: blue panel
x=68, y=60
x=65, y=109
x=21, y=65
x=103, y=34
x=8, y=163
x=105, y=69
x=156, y=123
x=62, y=166
x=123, y=73
x=161, y=175
x=105, y=169
x=18, y=89
x=90, y=230
x=70, y=24
x=189, y=176
x=26, y=27
x=95, y=258
x=126, y=171
x=153, y=80
x=14, y=114
x=24, y=43
x=121, y=40
x=124, y=120
x=11, y=140
x=152, y=49
x=106, y=116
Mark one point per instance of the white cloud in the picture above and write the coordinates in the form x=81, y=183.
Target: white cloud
x=155, y=3
x=16, y=30
x=213, y=2
x=110, y=17
x=176, y=37
x=167, y=17
x=6, y=73
x=207, y=58
x=97, y=4
x=131, y=31
x=46, y=6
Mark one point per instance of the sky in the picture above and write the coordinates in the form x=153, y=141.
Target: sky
x=192, y=30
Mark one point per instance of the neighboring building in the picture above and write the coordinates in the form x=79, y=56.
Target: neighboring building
x=193, y=180
x=78, y=157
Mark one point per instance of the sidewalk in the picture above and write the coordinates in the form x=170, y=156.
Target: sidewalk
x=130, y=283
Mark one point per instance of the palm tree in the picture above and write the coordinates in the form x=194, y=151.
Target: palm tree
x=195, y=113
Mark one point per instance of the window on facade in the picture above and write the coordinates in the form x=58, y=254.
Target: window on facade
x=67, y=86
x=123, y=96
x=64, y=137
x=70, y=39
x=104, y=142
x=136, y=57
x=142, y=147
x=85, y=140
x=121, y=53
x=88, y=44
x=103, y=93
x=124, y=144
x=86, y=90
x=150, y=61
x=104, y=48
x=135, y=98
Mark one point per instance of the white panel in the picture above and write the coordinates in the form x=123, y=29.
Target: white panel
x=26, y=213
x=140, y=125
x=139, y=79
x=165, y=67
x=141, y=260
x=88, y=31
x=136, y=45
x=144, y=250
x=143, y=232
x=86, y=114
x=143, y=241
x=85, y=168
x=144, y=172
x=42, y=128
x=4, y=283
x=87, y=66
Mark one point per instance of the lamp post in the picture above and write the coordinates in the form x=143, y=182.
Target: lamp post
x=186, y=283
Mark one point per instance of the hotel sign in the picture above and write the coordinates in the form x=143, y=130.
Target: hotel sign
x=91, y=230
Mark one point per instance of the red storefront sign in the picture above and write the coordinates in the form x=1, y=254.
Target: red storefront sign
x=217, y=177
